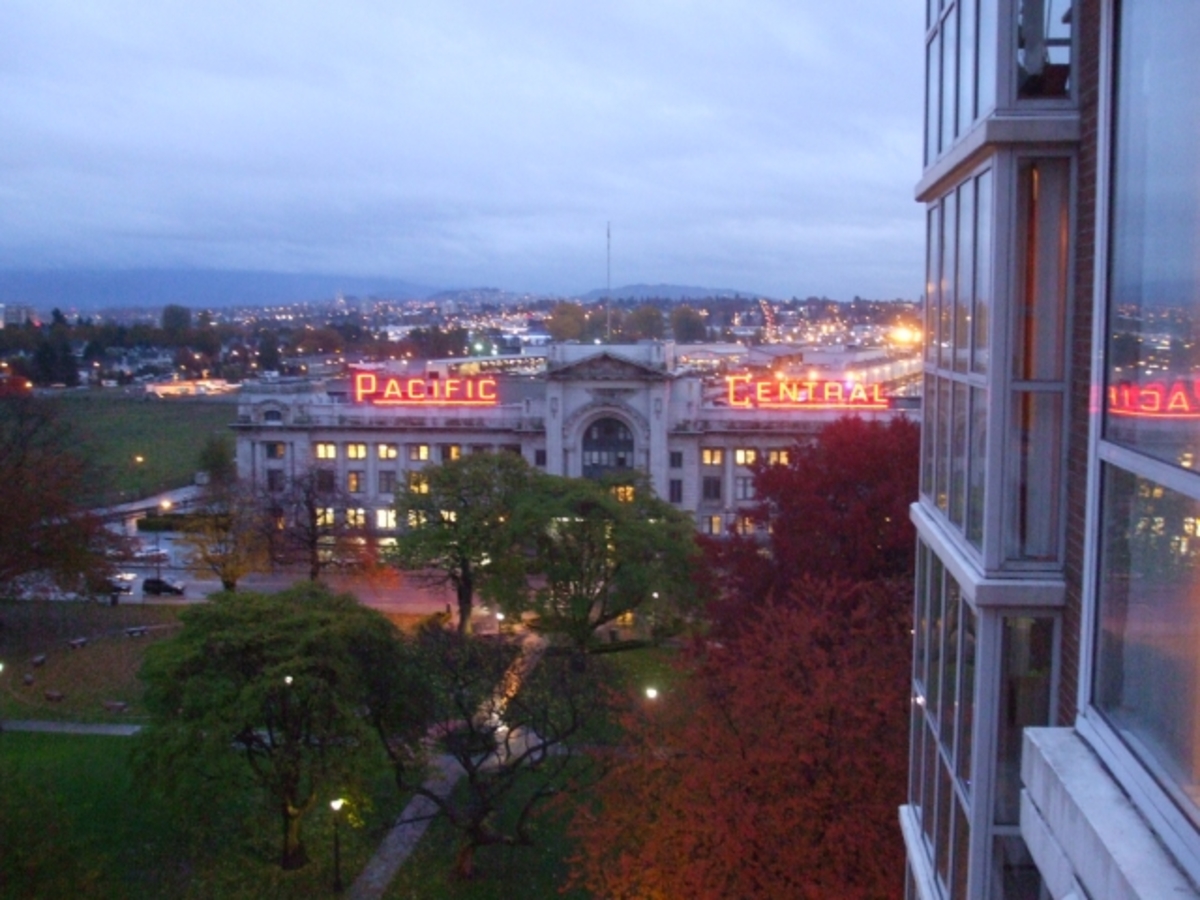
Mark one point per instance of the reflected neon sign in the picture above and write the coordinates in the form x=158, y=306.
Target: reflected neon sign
x=399, y=390
x=771, y=393
x=1156, y=400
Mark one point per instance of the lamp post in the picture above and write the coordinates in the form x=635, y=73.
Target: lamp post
x=336, y=806
x=164, y=508
x=137, y=476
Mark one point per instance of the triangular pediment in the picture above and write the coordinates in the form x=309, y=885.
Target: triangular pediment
x=606, y=367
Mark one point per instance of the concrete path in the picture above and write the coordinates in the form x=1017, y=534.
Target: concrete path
x=68, y=727
x=402, y=839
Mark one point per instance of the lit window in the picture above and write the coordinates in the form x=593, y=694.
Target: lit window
x=418, y=452
x=385, y=519
x=451, y=452
x=325, y=517
x=714, y=525
x=354, y=482
x=275, y=449
x=356, y=451
x=745, y=457
x=448, y=515
x=418, y=483
x=387, y=451
x=623, y=492
x=712, y=456
x=416, y=518
x=745, y=525
x=356, y=518
x=325, y=451
x=778, y=457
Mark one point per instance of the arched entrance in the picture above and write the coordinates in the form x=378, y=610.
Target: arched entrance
x=607, y=447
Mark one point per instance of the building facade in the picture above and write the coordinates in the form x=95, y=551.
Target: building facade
x=590, y=411
x=1055, y=738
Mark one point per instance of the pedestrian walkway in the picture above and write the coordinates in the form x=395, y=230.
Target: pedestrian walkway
x=47, y=727
x=407, y=832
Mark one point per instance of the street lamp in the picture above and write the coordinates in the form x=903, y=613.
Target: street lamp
x=164, y=508
x=336, y=806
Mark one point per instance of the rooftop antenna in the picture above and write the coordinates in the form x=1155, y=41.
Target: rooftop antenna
x=608, y=281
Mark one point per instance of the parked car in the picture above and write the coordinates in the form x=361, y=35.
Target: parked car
x=159, y=586
x=120, y=583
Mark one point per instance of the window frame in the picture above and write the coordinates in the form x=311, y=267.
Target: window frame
x=1176, y=827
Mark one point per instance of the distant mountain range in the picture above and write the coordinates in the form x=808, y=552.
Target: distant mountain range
x=106, y=289
x=664, y=292
x=95, y=289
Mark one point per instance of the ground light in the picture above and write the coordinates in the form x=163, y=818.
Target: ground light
x=651, y=693
x=336, y=806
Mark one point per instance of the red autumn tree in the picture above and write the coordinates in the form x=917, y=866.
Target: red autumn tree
x=839, y=508
x=775, y=770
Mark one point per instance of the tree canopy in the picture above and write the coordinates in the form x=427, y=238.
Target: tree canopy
x=284, y=680
x=458, y=524
x=44, y=530
x=775, y=769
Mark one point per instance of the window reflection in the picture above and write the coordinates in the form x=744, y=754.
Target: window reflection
x=1043, y=48
x=1149, y=624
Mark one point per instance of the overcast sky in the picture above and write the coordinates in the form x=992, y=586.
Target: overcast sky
x=764, y=145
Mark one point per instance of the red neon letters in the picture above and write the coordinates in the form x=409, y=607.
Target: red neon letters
x=768, y=393
x=1156, y=400
x=398, y=390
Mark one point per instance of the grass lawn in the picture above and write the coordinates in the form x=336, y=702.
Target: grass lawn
x=168, y=434
x=75, y=823
x=104, y=670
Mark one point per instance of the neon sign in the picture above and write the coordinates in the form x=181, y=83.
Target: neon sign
x=1156, y=400
x=770, y=393
x=399, y=390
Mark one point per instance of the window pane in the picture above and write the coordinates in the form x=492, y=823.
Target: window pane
x=1025, y=660
x=950, y=638
x=1154, y=281
x=1043, y=227
x=966, y=65
x=947, y=283
x=941, y=492
x=965, y=277
x=958, y=454
x=928, y=432
x=1147, y=677
x=949, y=102
x=962, y=851
x=966, y=699
x=981, y=316
x=1035, y=504
x=933, y=294
x=936, y=593
x=933, y=52
x=987, y=19
x=921, y=617
x=1044, y=48
x=945, y=802
x=976, y=467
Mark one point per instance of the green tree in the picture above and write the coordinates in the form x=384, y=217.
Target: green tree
x=227, y=535
x=566, y=321
x=284, y=680
x=176, y=320
x=644, y=322
x=506, y=718
x=307, y=523
x=458, y=525
x=217, y=460
x=687, y=325
x=606, y=549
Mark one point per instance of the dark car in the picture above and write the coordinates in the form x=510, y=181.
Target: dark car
x=160, y=586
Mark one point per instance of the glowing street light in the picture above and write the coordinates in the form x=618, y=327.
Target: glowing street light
x=336, y=806
x=651, y=693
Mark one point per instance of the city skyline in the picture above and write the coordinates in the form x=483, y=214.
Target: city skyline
x=769, y=149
